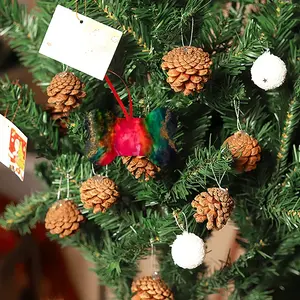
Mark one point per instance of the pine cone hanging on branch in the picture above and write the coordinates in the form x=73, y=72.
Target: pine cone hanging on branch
x=151, y=289
x=215, y=206
x=99, y=193
x=245, y=151
x=140, y=165
x=65, y=93
x=63, y=218
x=188, y=69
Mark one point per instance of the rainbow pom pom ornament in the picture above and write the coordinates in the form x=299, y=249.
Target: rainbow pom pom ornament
x=109, y=137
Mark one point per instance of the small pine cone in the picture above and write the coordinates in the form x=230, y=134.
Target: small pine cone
x=63, y=218
x=140, y=165
x=245, y=151
x=215, y=206
x=65, y=93
x=151, y=289
x=99, y=193
x=188, y=69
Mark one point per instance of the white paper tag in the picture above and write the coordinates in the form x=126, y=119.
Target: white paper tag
x=12, y=147
x=88, y=46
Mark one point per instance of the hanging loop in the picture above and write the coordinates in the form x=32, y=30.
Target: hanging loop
x=118, y=98
x=59, y=188
x=237, y=111
x=76, y=11
x=181, y=32
x=175, y=214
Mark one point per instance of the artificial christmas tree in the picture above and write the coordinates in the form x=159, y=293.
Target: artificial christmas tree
x=266, y=200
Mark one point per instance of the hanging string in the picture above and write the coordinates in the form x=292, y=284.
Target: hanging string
x=68, y=186
x=106, y=171
x=15, y=113
x=77, y=11
x=192, y=32
x=65, y=68
x=14, y=116
x=152, y=256
x=117, y=96
x=93, y=170
x=16, y=82
x=59, y=188
x=77, y=4
x=154, y=272
x=111, y=86
x=218, y=182
x=222, y=177
x=237, y=110
x=6, y=111
x=175, y=214
x=128, y=92
x=181, y=32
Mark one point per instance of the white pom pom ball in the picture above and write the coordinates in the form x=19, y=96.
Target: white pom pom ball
x=268, y=71
x=188, y=250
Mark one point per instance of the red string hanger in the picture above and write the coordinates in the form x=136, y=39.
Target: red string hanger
x=111, y=86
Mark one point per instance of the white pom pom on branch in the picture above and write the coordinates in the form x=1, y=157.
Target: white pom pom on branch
x=188, y=250
x=268, y=71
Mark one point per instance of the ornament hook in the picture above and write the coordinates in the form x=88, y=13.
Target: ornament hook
x=237, y=111
x=218, y=182
x=85, y=5
x=59, y=188
x=118, y=98
x=154, y=272
x=68, y=186
x=175, y=215
x=181, y=32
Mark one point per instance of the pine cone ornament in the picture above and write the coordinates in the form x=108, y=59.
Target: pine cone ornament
x=245, y=151
x=140, y=165
x=63, y=218
x=215, y=206
x=99, y=193
x=65, y=93
x=188, y=69
x=151, y=289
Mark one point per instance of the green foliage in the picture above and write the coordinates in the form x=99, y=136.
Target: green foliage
x=267, y=206
x=25, y=215
x=204, y=165
x=18, y=101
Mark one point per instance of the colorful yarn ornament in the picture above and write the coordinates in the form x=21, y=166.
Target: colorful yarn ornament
x=109, y=136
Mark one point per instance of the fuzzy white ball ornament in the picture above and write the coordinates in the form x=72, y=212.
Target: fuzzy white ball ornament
x=188, y=250
x=268, y=71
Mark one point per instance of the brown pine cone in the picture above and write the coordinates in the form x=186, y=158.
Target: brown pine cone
x=215, y=206
x=99, y=193
x=63, y=218
x=65, y=93
x=188, y=69
x=151, y=289
x=245, y=151
x=140, y=165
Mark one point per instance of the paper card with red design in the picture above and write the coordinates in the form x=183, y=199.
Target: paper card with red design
x=12, y=147
x=80, y=42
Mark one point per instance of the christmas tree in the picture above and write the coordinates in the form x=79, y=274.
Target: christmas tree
x=237, y=151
